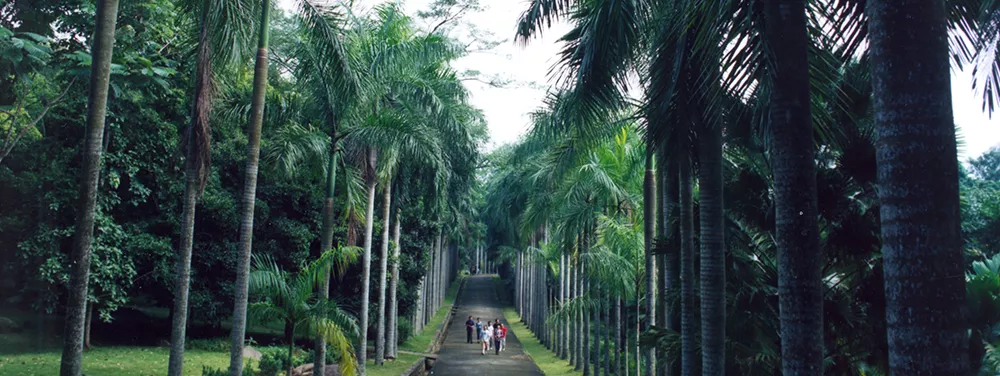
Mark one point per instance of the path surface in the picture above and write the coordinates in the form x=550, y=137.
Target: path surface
x=458, y=358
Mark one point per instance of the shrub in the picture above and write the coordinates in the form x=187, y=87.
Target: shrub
x=210, y=344
x=405, y=329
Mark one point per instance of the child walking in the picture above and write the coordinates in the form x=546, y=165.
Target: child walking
x=486, y=336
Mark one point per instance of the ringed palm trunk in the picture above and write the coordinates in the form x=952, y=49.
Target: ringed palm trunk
x=97, y=102
x=249, y=195
x=649, y=235
x=366, y=264
x=380, y=338
x=195, y=170
x=713, y=271
x=796, y=229
x=918, y=188
x=393, y=336
x=688, y=325
x=326, y=244
x=671, y=260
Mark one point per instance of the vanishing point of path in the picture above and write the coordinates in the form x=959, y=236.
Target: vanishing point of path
x=458, y=358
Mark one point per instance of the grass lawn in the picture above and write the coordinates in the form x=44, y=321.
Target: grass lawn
x=392, y=367
x=109, y=361
x=17, y=359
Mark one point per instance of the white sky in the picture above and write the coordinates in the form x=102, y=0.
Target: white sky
x=506, y=109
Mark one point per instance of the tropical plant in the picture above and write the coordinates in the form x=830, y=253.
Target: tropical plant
x=292, y=299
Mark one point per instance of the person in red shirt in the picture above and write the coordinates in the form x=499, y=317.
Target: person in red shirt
x=501, y=338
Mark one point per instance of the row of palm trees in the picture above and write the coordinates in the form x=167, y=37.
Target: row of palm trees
x=714, y=69
x=380, y=103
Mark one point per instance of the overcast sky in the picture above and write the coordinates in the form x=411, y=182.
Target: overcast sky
x=506, y=109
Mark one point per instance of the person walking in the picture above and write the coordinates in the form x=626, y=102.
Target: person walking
x=469, y=324
x=497, y=337
x=486, y=337
x=503, y=337
x=479, y=330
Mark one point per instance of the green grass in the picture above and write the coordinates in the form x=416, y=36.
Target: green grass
x=109, y=361
x=546, y=360
x=141, y=361
x=392, y=367
x=420, y=341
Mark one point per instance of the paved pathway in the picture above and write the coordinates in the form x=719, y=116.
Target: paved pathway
x=459, y=358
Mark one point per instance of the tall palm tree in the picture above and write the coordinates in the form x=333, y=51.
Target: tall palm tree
x=792, y=160
x=248, y=197
x=921, y=236
x=100, y=76
x=215, y=39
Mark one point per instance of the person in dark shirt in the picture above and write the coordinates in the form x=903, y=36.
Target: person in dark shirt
x=468, y=329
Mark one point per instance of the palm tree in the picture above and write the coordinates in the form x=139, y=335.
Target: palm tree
x=216, y=31
x=321, y=27
x=100, y=75
x=921, y=237
x=248, y=198
x=792, y=160
x=292, y=300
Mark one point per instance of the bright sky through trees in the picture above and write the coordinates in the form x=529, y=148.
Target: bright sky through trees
x=506, y=108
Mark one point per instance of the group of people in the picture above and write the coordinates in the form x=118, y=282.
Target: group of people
x=492, y=335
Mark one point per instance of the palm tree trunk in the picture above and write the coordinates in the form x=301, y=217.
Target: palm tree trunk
x=580, y=325
x=662, y=231
x=326, y=244
x=97, y=102
x=688, y=325
x=393, y=287
x=380, y=342
x=619, y=345
x=595, y=321
x=249, y=194
x=197, y=145
x=290, y=337
x=607, y=331
x=574, y=323
x=792, y=160
x=90, y=325
x=671, y=261
x=918, y=188
x=649, y=234
x=366, y=264
x=585, y=345
x=713, y=272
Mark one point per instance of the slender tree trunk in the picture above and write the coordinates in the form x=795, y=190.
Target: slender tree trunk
x=595, y=321
x=713, y=252
x=418, y=316
x=688, y=324
x=326, y=245
x=662, y=186
x=393, y=287
x=380, y=342
x=671, y=261
x=97, y=102
x=90, y=325
x=792, y=159
x=608, y=306
x=290, y=338
x=196, y=165
x=586, y=329
x=580, y=325
x=649, y=235
x=248, y=197
x=366, y=264
x=619, y=345
x=573, y=320
x=918, y=188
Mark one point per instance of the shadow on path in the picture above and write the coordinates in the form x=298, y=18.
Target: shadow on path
x=458, y=358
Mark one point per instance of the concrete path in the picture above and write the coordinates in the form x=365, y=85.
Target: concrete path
x=458, y=358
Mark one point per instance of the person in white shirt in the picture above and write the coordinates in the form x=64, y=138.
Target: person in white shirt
x=487, y=336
